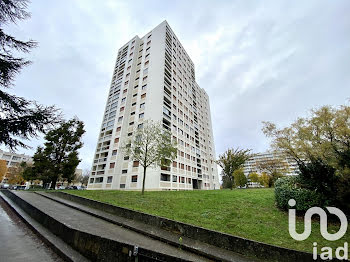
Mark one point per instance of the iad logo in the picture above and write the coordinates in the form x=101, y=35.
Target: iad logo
x=326, y=251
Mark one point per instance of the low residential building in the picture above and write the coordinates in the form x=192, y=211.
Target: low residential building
x=289, y=165
x=12, y=160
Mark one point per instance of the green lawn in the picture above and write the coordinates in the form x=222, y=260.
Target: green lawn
x=249, y=213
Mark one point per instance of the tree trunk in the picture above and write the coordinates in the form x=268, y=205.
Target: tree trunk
x=144, y=179
x=53, y=183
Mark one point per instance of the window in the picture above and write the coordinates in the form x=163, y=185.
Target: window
x=123, y=99
x=109, y=179
x=112, y=165
x=122, y=186
x=164, y=177
x=131, y=123
x=119, y=128
x=99, y=179
x=114, y=152
x=91, y=180
x=189, y=180
x=147, y=62
x=142, y=106
x=133, y=104
x=145, y=71
x=134, y=179
x=140, y=126
x=144, y=78
x=122, y=109
x=124, y=171
x=142, y=115
x=175, y=164
x=130, y=134
x=120, y=119
x=136, y=164
x=126, y=157
x=143, y=96
x=116, y=140
x=144, y=87
x=174, y=178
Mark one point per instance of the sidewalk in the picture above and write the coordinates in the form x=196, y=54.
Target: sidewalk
x=154, y=232
x=100, y=228
x=18, y=242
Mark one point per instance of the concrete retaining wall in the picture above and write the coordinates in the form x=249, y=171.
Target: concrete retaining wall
x=91, y=246
x=236, y=244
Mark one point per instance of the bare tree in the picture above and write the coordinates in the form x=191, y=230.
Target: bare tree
x=151, y=146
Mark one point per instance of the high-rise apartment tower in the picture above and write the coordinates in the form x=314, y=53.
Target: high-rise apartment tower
x=154, y=78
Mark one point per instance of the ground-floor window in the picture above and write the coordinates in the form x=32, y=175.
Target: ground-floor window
x=164, y=177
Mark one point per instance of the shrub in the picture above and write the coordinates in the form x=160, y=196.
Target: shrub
x=288, y=188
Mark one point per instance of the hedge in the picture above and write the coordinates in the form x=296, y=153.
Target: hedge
x=288, y=188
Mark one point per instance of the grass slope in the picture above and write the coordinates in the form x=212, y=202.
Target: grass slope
x=248, y=213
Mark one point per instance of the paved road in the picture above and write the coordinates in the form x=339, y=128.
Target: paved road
x=18, y=242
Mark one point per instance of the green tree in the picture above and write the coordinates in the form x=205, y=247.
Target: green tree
x=27, y=172
x=254, y=177
x=151, y=146
x=20, y=119
x=265, y=180
x=232, y=160
x=59, y=157
x=325, y=135
x=240, y=178
x=320, y=144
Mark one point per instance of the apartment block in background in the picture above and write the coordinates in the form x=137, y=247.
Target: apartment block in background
x=288, y=165
x=13, y=160
x=154, y=78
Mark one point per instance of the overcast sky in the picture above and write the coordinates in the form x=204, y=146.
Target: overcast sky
x=257, y=60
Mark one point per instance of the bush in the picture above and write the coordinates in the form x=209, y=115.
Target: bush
x=288, y=188
x=240, y=179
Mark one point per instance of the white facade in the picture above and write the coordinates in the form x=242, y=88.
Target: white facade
x=288, y=162
x=154, y=78
x=13, y=159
